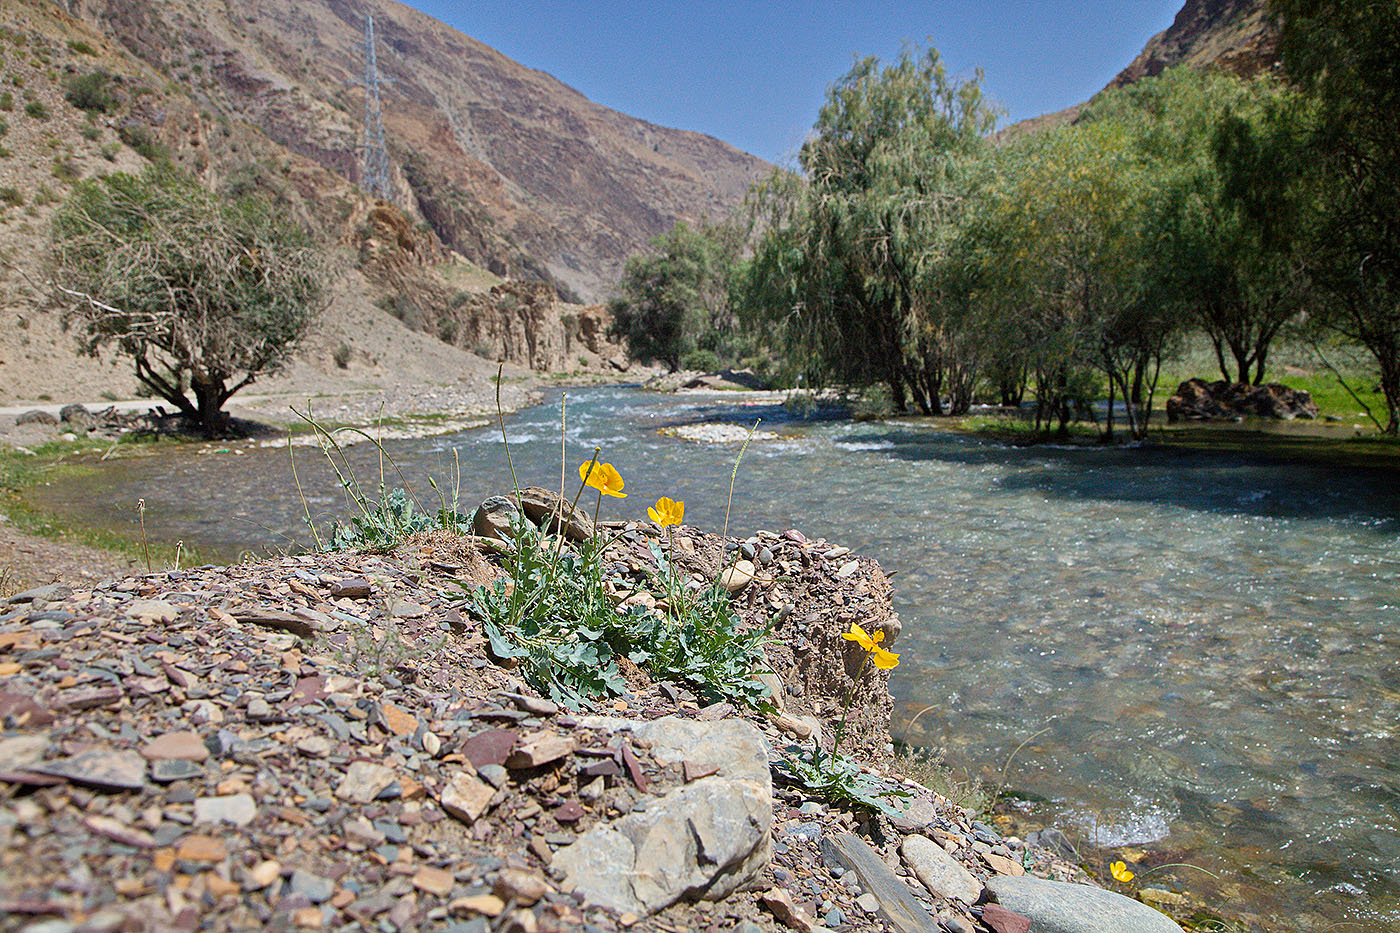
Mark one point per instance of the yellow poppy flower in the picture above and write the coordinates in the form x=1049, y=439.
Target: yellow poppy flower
x=1121, y=873
x=603, y=478
x=884, y=660
x=859, y=636
x=667, y=512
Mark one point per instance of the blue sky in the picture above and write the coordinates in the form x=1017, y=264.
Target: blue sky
x=754, y=74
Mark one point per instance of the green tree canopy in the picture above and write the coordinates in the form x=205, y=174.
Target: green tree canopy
x=1346, y=57
x=846, y=272
x=204, y=294
x=674, y=307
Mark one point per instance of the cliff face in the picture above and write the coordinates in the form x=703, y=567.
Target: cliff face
x=510, y=167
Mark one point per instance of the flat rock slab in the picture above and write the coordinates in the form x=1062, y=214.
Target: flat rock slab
x=898, y=905
x=106, y=768
x=1060, y=907
x=940, y=872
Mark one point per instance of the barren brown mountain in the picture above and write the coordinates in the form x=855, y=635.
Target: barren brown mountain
x=501, y=172
x=510, y=167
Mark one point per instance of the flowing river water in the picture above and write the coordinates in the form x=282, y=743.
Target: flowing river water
x=1202, y=648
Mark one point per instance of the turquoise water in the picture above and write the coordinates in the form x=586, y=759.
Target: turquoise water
x=1207, y=641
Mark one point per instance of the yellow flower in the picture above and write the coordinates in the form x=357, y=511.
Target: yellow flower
x=1120, y=872
x=603, y=478
x=884, y=660
x=858, y=635
x=667, y=512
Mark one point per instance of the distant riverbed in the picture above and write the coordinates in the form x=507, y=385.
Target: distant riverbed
x=1208, y=641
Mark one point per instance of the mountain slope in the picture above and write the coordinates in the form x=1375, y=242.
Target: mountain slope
x=509, y=166
x=1239, y=36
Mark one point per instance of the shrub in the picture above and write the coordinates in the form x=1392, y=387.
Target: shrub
x=65, y=171
x=91, y=92
x=702, y=360
x=4, y=127
x=110, y=150
x=37, y=110
x=90, y=132
x=7, y=101
x=143, y=140
x=81, y=47
x=11, y=197
x=342, y=355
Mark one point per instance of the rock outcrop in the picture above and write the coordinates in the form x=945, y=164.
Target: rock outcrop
x=1198, y=400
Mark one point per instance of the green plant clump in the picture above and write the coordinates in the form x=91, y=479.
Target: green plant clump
x=552, y=612
x=91, y=92
x=11, y=197
x=37, y=110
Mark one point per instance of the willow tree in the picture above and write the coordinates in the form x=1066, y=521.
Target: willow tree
x=848, y=270
x=204, y=294
x=1346, y=57
x=1066, y=213
x=1233, y=271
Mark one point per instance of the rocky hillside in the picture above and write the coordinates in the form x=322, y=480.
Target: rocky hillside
x=510, y=167
x=504, y=177
x=1237, y=35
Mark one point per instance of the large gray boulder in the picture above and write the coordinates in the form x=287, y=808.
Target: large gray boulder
x=1060, y=907
x=702, y=841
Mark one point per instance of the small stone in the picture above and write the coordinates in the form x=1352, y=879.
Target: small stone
x=491, y=747
x=314, y=888
x=398, y=721
x=119, y=832
x=238, y=809
x=152, y=610
x=262, y=874
x=179, y=769
x=466, y=798
x=364, y=781
x=197, y=848
x=314, y=746
x=487, y=904
x=260, y=710
x=536, y=706
x=352, y=588
x=940, y=872
x=432, y=745
x=176, y=746
x=100, y=767
x=434, y=881
x=540, y=749
x=737, y=577
x=868, y=903
x=523, y=887
x=1003, y=865
x=495, y=775
x=309, y=918
x=780, y=902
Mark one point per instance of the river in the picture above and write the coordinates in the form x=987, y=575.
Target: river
x=1203, y=646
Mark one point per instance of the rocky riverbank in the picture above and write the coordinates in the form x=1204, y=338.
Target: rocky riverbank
x=326, y=742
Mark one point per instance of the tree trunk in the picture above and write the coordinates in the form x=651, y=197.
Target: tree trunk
x=209, y=401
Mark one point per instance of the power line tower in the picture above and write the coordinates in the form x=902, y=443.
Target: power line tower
x=374, y=171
